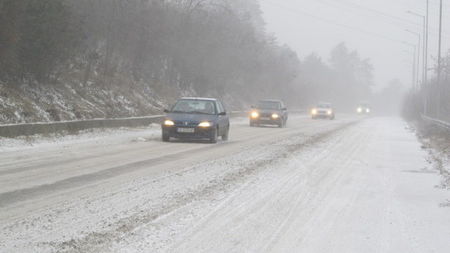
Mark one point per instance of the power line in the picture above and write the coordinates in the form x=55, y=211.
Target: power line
x=379, y=13
x=332, y=22
x=434, y=33
x=371, y=10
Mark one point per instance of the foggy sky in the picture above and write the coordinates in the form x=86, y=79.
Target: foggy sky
x=376, y=33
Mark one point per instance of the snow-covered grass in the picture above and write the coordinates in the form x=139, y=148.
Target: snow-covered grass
x=32, y=102
x=437, y=143
x=99, y=136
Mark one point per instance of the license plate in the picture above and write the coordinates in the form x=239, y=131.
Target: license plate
x=265, y=118
x=186, y=130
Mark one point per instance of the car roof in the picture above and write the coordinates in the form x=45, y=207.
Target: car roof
x=270, y=100
x=198, y=98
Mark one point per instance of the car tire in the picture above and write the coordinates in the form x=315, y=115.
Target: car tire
x=214, y=136
x=165, y=138
x=226, y=135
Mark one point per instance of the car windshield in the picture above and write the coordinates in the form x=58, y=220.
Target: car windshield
x=325, y=106
x=271, y=105
x=194, y=106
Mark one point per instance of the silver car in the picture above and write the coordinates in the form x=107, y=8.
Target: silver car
x=323, y=111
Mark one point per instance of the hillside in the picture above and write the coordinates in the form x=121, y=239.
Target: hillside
x=82, y=59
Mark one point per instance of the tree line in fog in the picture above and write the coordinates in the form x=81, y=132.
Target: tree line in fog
x=204, y=47
x=431, y=99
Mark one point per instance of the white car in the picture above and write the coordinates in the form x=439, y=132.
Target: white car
x=323, y=111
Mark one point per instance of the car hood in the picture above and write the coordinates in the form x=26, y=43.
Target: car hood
x=266, y=111
x=191, y=117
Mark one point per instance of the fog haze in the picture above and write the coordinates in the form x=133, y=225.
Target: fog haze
x=375, y=28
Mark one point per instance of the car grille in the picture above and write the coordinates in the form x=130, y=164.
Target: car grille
x=266, y=115
x=186, y=124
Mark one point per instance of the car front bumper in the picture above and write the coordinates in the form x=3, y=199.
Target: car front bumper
x=269, y=121
x=198, y=133
x=322, y=116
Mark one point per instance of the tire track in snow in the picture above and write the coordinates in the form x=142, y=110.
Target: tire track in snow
x=129, y=225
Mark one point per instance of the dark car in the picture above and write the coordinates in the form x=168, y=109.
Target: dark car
x=269, y=112
x=323, y=111
x=196, y=118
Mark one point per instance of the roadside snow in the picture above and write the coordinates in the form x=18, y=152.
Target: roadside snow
x=438, y=146
x=318, y=187
x=87, y=136
x=366, y=189
x=107, y=135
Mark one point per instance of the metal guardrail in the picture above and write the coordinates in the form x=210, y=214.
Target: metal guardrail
x=439, y=123
x=72, y=127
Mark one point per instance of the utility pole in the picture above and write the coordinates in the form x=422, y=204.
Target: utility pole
x=425, y=81
x=439, y=67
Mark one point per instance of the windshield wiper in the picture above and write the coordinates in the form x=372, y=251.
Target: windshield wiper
x=192, y=112
x=197, y=112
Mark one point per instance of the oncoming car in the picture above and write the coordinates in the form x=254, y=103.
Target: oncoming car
x=323, y=111
x=269, y=112
x=196, y=118
x=363, y=108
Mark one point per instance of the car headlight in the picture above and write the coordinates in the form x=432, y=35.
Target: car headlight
x=359, y=109
x=254, y=115
x=205, y=124
x=275, y=116
x=314, y=111
x=169, y=123
x=329, y=112
x=368, y=110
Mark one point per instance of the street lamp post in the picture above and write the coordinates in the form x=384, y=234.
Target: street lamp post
x=414, y=67
x=424, y=50
x=425, y=19
x=439, y=60
x=425, y=95
x=418, y=54
x=426, y=45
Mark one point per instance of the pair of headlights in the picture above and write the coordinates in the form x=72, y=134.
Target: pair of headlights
x=255, y=115
x=360, y=110
x=202, y=124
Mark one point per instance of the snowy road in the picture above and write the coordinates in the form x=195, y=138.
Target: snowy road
x=349, y=185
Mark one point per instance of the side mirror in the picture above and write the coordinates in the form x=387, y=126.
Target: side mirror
x=222, y=113
x=284, y=109
x=166, y=111
x=253, y=107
